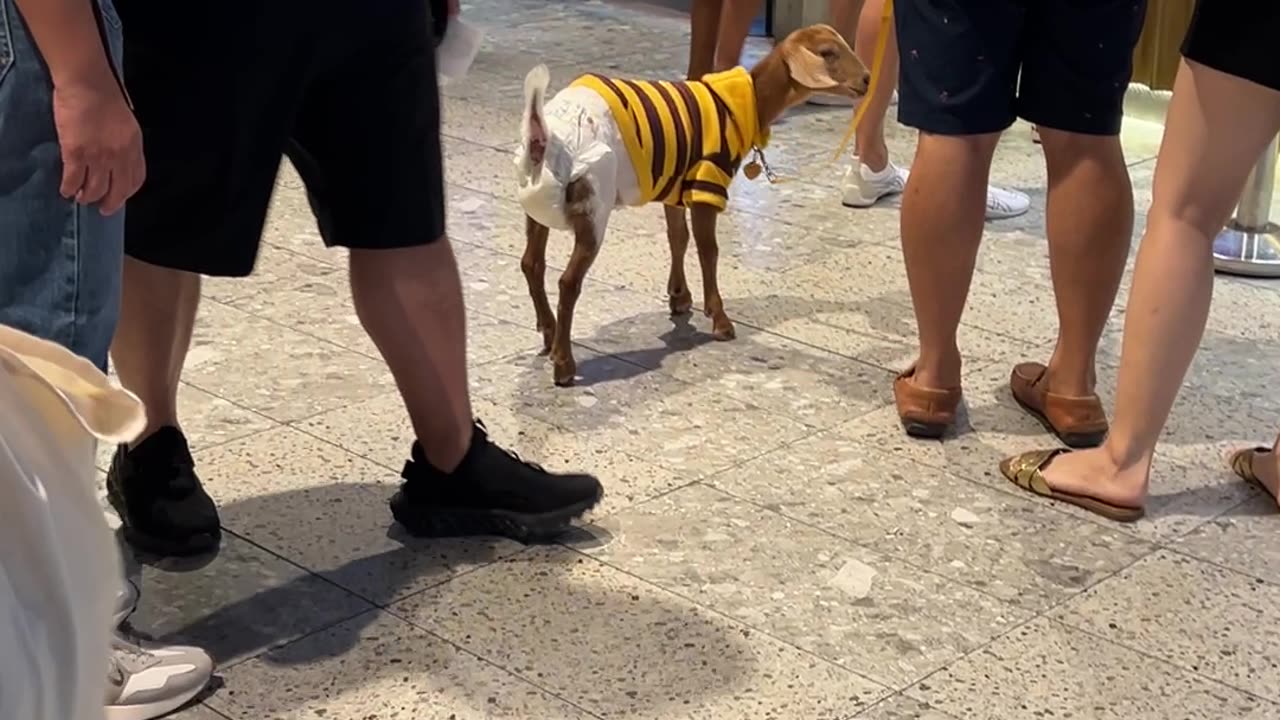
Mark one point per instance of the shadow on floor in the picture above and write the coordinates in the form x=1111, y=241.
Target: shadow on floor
x=643, y=627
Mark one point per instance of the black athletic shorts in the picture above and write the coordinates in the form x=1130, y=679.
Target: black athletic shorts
x=345, y=88
x=1235, y=38
x=973, y=66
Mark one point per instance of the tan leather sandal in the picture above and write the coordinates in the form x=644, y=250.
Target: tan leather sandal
x=924, y=412
x=1079, y=422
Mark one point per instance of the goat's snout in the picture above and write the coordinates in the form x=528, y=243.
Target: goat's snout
x=861, y=83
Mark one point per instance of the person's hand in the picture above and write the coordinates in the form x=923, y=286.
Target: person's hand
x=101, y=144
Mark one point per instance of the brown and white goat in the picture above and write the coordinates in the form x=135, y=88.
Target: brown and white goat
x=605, y=142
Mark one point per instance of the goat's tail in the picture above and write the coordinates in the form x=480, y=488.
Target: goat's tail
x=533, y=127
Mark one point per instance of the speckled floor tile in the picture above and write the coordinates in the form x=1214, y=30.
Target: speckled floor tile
x=481, y=123
x=622, y=648
x=323, y=308
x=239, y=603
x=379, y=430
x=901, y=707
x=1045, y=670
x=207, y=420
x=495, y=286
x=197, y=712
x=378, y=666
x=804, y=383
x=276, y=266
x=1201, y=617
x=326, y=509
x=278, y=372
x=860, y=609
x=876, y=272
x=680, y=426
x=1243, y=538
x=1023, y=552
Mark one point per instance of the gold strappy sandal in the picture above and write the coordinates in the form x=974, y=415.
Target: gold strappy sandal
x=1025, y=471
x=1242, y=465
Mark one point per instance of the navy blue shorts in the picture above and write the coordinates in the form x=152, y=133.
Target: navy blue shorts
x=1235, y=38
x=974, y=66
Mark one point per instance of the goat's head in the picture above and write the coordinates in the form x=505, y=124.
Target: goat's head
x=819, y=60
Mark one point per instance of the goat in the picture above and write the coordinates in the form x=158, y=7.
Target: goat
x=606, y=142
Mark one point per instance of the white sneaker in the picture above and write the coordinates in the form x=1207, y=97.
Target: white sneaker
x=145, y=682
x=1003, y=203
x=864, y=187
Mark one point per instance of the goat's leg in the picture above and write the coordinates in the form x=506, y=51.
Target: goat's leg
x=534, y=265
x=704, y=235
x=585, y=247
x=678, y=294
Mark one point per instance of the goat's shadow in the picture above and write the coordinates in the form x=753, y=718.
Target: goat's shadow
x=261, y=596
x=630, y=339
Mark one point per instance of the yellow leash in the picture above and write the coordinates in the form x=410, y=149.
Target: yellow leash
x=877, y=66
x=753, y=168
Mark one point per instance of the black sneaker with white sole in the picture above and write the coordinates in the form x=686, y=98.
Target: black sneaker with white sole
x=155, y=490
x=492, y=492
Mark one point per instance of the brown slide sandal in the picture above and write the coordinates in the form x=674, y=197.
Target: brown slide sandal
x=1025, y=471
x=1242, y=465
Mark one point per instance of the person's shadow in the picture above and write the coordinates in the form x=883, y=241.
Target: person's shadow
x=248, y=600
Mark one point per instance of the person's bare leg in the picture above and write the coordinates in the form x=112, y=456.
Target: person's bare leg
x=1217, y=126
x=457, y=481
x=152, y=483
x=736, y=17
x=157, y=316
x=869, y=142
x=410, y=302
x=704, y=24
x=843, y=16
x=942, y=217
x=1089, y=223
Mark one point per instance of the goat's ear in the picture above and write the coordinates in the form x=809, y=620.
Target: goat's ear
x=807, y=67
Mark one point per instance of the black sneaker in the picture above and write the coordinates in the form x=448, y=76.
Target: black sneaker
x=154, y=489
x=492, y=492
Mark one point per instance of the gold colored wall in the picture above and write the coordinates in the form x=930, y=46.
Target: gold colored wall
x=1155, y=61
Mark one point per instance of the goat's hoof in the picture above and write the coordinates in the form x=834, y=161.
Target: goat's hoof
x=564, y=373
x=681, y=304
x=724, y=332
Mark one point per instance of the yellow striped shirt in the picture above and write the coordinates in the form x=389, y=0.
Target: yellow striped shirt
x=685, y=139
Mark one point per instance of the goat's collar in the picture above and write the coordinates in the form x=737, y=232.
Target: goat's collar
x=736, y=88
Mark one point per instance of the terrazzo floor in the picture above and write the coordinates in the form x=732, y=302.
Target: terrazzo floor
x=771, y=546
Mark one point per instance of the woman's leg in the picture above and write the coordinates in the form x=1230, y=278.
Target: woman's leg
x=736, y=17
x=869, y=144
x=704, y=22
x=1217, y=126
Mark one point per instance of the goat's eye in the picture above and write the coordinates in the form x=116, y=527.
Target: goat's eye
x=828, y=53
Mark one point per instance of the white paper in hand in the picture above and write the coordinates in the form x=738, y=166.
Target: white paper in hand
x=458, y=49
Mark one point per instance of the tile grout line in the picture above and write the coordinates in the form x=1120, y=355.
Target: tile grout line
x=1163, y=661
x=731, y=619
x=391, y=612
